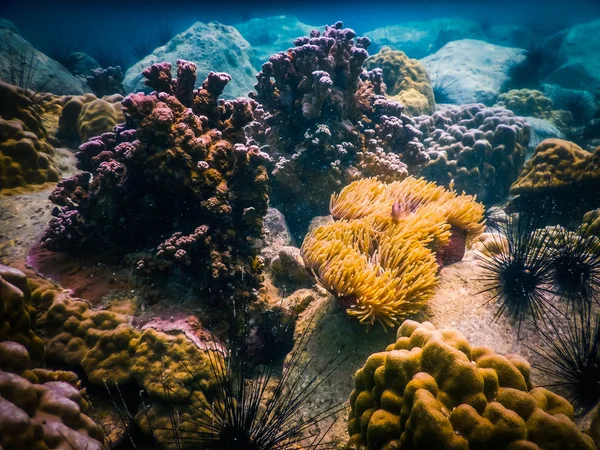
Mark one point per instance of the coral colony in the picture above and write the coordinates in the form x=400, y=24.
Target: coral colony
x=188, y=261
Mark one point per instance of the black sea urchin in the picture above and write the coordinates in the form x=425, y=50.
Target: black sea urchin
x=260, y=409
x=575, y=268
x=444, y=87
x=518, y=275
x=573, y=359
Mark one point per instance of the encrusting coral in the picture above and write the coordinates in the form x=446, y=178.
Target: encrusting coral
x=17, y=315
x=406, y=80
x=26, y=157
x=42, y=409
x=482, y=149
x=380, y=257
x=432, y=389
x=326, y=122
x=171, y=368
x=560, y=171
x=180, y=154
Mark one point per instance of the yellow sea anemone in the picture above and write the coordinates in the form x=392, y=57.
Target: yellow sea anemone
x=379, y=256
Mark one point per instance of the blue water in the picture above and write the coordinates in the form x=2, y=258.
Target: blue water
x=113, y=24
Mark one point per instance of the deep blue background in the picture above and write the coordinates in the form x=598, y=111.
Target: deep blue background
x=112, y=24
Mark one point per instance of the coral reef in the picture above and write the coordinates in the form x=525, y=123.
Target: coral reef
x=381, y=256
x=481, y=149
x=559, y=171
x=526, y=102
x=98, y=341
x=326, y=122
x=170, y=366
x=25, y=154
x=17, y=315
x=84, y=117
x=99, y=116
x=42, y=409
x=107, y=81
x=406, y=80
x=172, y=178
x=432, y=389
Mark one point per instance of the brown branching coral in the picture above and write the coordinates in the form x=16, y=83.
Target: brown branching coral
x=380, y=257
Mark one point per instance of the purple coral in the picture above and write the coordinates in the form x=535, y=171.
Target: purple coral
x=180, y=162
x=482, y=149
x=107, y=81
x=322, y=118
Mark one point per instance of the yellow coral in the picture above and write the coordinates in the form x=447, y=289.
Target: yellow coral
x=378, y=257
x=558, y=165
x=431, y=389
x=406, y=80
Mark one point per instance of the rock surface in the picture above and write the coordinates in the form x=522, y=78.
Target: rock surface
x=419, y=39
x=580, y=50
x=269, y=35
x=8, y=25
x=81, y=64
x=541, y=129
x=212, y=47
x=21, y=63
x=510, y=36
x=475, y=69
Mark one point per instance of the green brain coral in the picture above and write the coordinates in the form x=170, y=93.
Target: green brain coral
x=432, y=390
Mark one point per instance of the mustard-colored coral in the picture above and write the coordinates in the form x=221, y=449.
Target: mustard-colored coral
x=432, y=389
x=17, y=315
x=82, y=117
x=26, y=157
x=181, y=378
x=98, y=341
x=99, y=116
x=526, y=102
x=378, y=256
x=162, y=360
x=406, y=80
x=558, y=165
x=171, y=368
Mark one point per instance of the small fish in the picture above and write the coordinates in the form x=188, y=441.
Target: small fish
x=451, y=185
x=399, y=211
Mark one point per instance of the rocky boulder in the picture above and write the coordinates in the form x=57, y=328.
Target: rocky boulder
x=212, y=47
x=419, y=39
x=541, y=129
x=23, y=65
x=580, y=50
x=510, y=36
x=476, y=70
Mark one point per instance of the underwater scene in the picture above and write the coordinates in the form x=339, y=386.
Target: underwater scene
x=311, y=225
